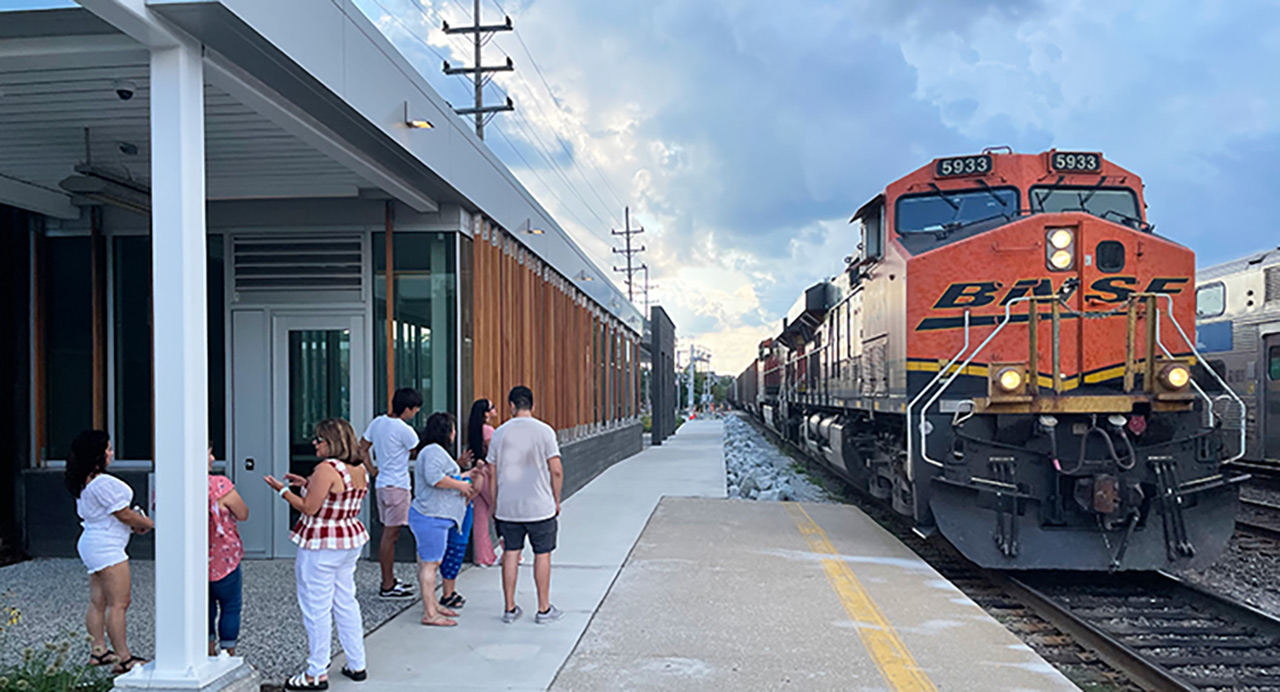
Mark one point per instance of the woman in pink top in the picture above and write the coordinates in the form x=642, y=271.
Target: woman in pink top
x=226, y=507
x=479, y=431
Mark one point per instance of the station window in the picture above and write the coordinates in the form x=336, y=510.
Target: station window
x=70, y=347
x=1211, y=300
x=425, y=307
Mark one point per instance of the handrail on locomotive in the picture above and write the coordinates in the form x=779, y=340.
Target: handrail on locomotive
x=1150, y=303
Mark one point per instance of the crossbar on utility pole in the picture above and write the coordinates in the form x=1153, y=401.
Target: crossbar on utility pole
x=481, y=33
x=628, y=231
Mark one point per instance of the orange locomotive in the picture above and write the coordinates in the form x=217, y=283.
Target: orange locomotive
x=1018, y=315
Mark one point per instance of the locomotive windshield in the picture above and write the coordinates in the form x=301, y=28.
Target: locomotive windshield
x=1118, y=204
x=948, y=210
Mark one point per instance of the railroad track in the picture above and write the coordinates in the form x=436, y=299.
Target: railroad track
x=1160, y=631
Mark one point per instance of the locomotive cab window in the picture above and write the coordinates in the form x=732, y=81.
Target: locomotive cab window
x=1110, y=256
x=1211, y=300
x=948, y=210
x=1114, y=204
x=872, y=233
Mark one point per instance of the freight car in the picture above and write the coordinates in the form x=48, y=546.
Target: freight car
x=1238, y=331
x=1006, y=359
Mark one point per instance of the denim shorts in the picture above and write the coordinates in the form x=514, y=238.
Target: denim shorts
x=431, y=534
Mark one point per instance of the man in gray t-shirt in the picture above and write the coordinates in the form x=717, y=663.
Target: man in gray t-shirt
x=526, y=457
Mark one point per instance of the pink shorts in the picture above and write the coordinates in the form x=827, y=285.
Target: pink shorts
x=393, y=506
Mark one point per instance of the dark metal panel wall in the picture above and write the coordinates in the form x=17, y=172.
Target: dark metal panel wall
x=663, y=351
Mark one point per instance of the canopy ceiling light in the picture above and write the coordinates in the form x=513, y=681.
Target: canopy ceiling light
x=584, y=276
x=415, y=123
x=528, y=228
x=101, y=187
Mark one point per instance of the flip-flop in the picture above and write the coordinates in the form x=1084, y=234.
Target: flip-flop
x=128, y=664
x=448, y=612
x=440, y=622
x=105, y=658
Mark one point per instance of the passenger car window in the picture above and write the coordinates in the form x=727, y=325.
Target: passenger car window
x=1273, y=363
x=1211, y=300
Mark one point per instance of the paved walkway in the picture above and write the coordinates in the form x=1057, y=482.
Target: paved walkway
x=793, y=596
x=598, y=527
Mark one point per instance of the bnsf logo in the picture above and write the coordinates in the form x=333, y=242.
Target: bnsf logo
x=1110, y=289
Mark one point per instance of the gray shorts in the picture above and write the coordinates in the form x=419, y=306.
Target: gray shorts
x=542, y=534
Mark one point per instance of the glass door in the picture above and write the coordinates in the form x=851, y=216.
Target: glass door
x=320, y=365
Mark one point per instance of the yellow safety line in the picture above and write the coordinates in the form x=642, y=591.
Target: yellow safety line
x=887, y=650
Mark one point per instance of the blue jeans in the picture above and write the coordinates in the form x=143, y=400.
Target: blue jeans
x=458, y=539
x=225, y=593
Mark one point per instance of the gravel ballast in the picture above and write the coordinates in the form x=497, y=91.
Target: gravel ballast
x=53, y=594
x=757, y=470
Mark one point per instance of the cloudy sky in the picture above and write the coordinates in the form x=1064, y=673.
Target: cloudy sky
x=745, y=133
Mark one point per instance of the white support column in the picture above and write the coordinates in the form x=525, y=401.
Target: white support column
x=178, y=239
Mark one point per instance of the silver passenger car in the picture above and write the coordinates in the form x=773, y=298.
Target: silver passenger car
x=1238, y=333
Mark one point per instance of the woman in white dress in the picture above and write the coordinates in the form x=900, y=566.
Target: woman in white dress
x=104, y=504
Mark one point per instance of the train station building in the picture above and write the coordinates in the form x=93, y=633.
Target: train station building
x=221, y=229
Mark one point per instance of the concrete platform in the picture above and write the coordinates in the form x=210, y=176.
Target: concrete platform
x=666, y=585
x=735, y=595
x=598, y=527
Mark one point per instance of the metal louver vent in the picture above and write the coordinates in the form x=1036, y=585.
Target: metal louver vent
x=297, y=263
x=1273, y=283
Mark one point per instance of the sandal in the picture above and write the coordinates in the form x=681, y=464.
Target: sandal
x=128, y=664
x=302, y=681
x=357, y=675
x=453, y=601
x=103, y=659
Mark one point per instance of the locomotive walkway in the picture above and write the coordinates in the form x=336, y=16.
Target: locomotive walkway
x=667, y=585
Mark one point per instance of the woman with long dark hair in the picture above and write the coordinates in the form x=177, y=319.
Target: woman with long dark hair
x=329, y=535
x=104, y=504
x=480, y=426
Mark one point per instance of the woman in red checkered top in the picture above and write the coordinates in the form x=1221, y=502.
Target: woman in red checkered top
x=329, y=537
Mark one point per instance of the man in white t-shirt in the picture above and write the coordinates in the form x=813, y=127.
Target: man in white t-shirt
x=526, y=457
x=393, y=441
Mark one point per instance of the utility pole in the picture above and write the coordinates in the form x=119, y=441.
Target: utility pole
x=628, y=232
x=481, y=34
x=645, y=268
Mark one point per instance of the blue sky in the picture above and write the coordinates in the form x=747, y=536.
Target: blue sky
x=744, y=134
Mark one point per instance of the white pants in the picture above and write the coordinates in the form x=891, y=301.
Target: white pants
x=327, y=586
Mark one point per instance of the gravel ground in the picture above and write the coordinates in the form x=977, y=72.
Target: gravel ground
x=757, y=470
x=1243, y=574
x=52, y=595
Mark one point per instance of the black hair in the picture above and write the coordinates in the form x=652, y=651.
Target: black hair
x=521, y=397
x=88, y=456
x=405, y=399
x=475, y=428
x=439, y=425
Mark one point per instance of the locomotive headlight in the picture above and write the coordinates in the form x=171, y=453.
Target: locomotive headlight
x=1009, y=379
x=1060, y=248
x=1176, y=376
x=1060, y=238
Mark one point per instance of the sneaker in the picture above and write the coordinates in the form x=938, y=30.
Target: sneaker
x=553, y=613
x=511, y=616
x=397, y=590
